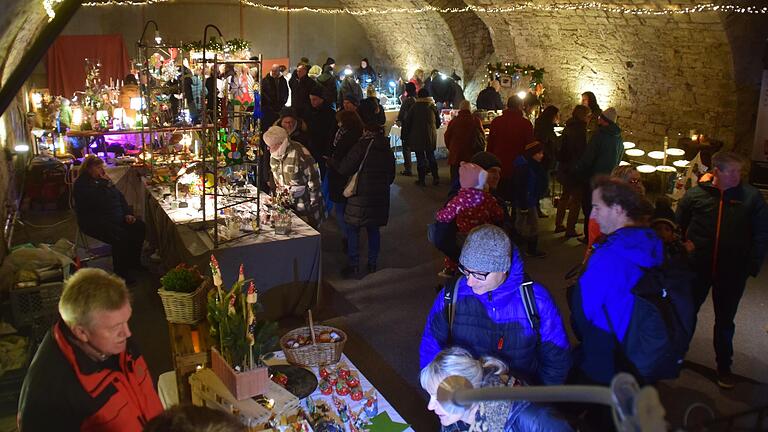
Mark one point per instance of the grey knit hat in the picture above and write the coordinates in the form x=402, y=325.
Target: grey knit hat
x=487, y=249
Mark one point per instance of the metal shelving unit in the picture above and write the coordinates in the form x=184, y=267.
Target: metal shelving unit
x=211, y=163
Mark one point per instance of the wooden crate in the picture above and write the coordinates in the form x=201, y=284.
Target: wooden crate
x=190, y=345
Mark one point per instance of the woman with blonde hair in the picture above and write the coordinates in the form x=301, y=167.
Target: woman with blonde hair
x=507, y=416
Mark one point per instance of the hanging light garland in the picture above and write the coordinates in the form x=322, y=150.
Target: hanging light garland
x=553, y=7
x=48, y=5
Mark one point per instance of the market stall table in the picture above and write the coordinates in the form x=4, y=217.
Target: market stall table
x=166, y=388
x=286, y=269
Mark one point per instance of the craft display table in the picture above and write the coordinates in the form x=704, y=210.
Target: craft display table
x=217, y=396
x=286, y=268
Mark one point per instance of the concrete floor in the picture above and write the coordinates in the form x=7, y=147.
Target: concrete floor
x=384, y=313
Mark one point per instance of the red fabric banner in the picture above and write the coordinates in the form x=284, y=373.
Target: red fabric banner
x=66, y=61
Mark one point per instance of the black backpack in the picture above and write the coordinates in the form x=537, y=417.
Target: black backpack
x=662, y=324
x=526, y=292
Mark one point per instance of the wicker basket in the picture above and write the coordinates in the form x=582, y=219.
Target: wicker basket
x=319, y=354
x=185, y=308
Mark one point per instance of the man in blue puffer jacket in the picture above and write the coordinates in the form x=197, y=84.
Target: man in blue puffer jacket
x=605, y=289
x=490, y=317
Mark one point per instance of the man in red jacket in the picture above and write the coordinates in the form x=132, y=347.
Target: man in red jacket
x=87, y=375
x=508, y=137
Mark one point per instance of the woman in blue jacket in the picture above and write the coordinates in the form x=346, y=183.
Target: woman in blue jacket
x=489, y=313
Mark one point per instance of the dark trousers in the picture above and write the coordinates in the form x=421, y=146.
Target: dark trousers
x=406, y=157
x=727, y=288
x=353, y=244
x=454, y=174
x=426, y=160
x=570, y=200
x=126, y=241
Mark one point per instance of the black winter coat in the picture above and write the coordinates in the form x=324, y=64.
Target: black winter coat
x=274, y=93
x=737, y=216
x=421, y=123
x=300, y=90
x=322, y=129
x=345, y=140
x=574, y=143
x=370, y=206
x=98, y=203
x=489, y=99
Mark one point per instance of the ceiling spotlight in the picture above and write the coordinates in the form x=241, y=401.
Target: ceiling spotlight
x=623, y=163
x=629, y=145
x=682, y=163
x=657, y=154
x=674, y=151
x=665, y=168
x=646, y=169
x=635, y=152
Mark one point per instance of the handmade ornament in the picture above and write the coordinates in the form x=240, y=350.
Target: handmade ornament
x=241, y=275
x=356, y=422
x=252, y=296
x=343, y=373
x=310, y=404
x=324, y=372
x=353, y=382
x=371, y=406
x=356, y=395
x=342, y=389
x=341, y=409
x=325, y=388
x=216, y=272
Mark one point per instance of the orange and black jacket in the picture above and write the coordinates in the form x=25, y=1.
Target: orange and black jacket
x=65, y=390
x=729, y=228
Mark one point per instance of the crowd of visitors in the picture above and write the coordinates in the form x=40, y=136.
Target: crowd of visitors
x=493, y=324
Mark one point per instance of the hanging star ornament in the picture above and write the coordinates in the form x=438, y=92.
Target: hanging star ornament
x=383, y=423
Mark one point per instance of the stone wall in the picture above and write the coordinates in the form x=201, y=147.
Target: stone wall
x=665, y=75
x=407, y=42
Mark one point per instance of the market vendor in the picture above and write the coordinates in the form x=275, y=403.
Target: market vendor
x=294, y=168
x=87, y=373
x=103, y=213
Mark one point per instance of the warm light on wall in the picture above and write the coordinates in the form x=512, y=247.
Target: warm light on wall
x=411, y=70
x=599, y=85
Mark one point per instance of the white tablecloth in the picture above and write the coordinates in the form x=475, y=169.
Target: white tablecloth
x=166, y=388
x=395, y=141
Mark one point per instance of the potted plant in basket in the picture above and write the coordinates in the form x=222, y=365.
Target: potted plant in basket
x=183, y=293
x=242, y=343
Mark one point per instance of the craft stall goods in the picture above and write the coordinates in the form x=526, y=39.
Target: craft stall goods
x=252, y=381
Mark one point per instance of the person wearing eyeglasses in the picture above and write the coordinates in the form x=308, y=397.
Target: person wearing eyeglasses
x=485, y=313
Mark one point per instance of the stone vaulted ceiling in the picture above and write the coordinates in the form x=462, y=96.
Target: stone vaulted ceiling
x=663, y=73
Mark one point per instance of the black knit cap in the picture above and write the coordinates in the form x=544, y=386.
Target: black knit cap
x=486, y=160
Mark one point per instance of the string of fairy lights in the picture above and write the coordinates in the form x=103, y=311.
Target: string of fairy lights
x=518, y=7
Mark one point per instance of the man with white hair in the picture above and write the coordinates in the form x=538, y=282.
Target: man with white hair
x=87, y=373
